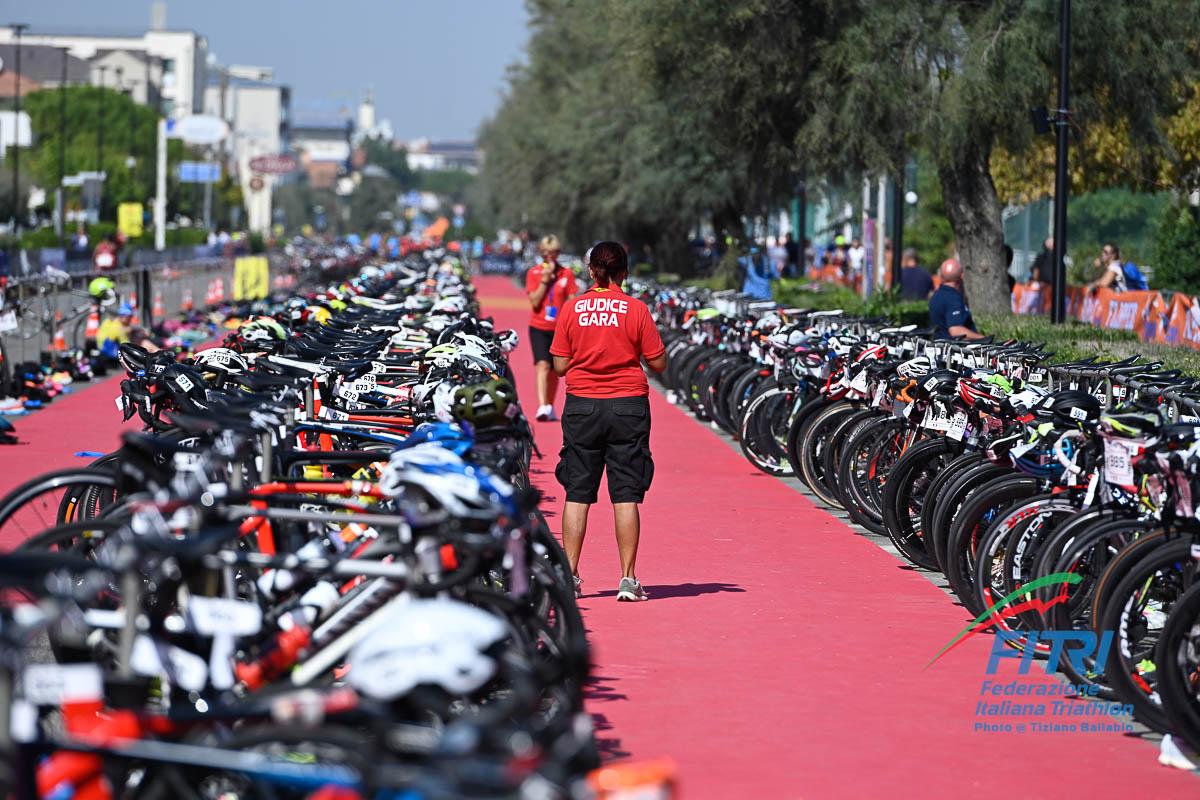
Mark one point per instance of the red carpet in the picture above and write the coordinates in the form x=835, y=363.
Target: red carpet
x=782, y=655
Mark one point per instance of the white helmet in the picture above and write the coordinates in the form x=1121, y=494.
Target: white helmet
x=432, y=642
x=221, y=358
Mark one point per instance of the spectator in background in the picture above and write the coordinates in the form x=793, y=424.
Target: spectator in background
x=757, y=274
x=1042, y=270
x=104, y=257
x=949, y=314
x=792, y=248
x=1011, y=274
x=810, y=254
x=777, y=252
x=915, y=281
x=79, y=242
x=1113, y=276
x=856, y=256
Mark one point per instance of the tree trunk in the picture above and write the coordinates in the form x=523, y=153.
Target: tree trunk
x=974, y=211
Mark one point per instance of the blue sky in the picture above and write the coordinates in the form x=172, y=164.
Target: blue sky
x=436, y=67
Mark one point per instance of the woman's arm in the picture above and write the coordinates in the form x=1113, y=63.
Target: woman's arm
x=538, y=293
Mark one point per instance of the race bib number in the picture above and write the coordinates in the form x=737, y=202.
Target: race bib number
x=1118, y=463
x=958, y=426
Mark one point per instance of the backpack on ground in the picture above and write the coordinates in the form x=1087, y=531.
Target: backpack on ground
x=1134, y=279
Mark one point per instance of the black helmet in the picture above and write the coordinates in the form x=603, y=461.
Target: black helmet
x=1070, y=407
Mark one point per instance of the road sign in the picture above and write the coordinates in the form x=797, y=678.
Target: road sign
x=280, y=164
x=460, y=210
x=459, y=221
x=198, y=129
x=199, y=172
x=256, y=183
x=81, y=178
x=129, y=219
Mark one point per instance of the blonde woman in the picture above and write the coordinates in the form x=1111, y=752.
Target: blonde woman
x=549, y=286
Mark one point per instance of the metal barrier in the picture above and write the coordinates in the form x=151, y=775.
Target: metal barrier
x=157, y=290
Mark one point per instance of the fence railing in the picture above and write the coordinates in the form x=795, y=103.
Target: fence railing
x=158, y=287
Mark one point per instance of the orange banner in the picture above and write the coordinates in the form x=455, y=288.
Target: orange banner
x=1146, y=313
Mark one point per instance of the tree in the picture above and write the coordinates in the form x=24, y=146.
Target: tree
x=373, y=198
x=638, y=118
x=394, y=160
x=960, y=77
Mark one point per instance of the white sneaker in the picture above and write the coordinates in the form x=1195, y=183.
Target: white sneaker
x=551, y=415
x=544, y=412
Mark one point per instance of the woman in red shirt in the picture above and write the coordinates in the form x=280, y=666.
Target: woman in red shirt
x=602, y=336
x=549, y=286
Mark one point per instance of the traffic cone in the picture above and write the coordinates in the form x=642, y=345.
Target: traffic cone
x=220, y=290
x=186, y=303
x=133, y=299
x=210, y=296
x=60, y=337
x=157, y=311
x=92, y=327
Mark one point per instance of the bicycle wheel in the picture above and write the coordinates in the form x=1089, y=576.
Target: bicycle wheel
x=971, y=527
x=904, y=496
x=1136, y=614
x=1178, y=660
x=763, y=426
x=858, y=469
x=67, y=495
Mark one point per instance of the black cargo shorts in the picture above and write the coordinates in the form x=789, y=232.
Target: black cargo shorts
x=610, y=433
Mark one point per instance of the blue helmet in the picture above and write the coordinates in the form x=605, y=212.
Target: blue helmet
x=458, y=438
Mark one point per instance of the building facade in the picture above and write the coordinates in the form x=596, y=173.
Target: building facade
x=183, y=56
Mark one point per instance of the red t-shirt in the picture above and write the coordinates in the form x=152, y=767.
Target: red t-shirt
x=545, y=314
x=605, y=333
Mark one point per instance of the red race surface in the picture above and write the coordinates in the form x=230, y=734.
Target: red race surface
x=783, y=655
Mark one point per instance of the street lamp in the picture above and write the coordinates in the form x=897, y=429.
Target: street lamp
x=1062, y=187
x=100, y=146
x=16, y=146
x=62, y=146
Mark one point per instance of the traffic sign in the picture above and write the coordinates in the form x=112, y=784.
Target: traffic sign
x=256, y=183
x=198, y=129
x=199, y=172
x=460, y=210
x=280, y=164
x=459, y=221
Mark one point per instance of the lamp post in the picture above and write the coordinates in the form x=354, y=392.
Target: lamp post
x=1062, y=116
x=100, y=146
x=60, y=195
x=16, y=145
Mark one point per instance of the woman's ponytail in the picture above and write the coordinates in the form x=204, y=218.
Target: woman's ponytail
x=608, y=263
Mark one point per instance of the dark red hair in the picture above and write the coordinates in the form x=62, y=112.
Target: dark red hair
x=609, y=263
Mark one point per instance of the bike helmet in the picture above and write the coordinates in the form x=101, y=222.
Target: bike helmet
x=942, y=381
x=1071, y=407
x=104, y=290
x=456, y=438
x=489, y=404
x=223, y=359
x=438, y=642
